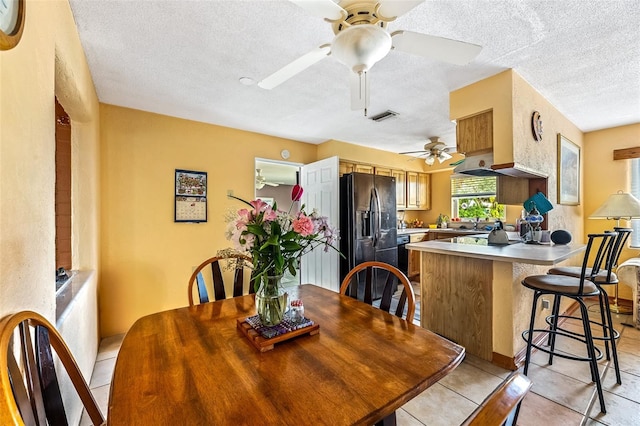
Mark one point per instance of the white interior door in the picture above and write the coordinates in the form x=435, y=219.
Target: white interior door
x=320, y=181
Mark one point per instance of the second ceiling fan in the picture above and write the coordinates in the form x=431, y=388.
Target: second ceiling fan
x=361, y=39
x=436, y=149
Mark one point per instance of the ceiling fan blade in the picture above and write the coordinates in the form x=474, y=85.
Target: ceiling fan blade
x=325, y=9
x=391, y=9
x=414, y=152
x=295, y=67
x=438, y=48
x=359, y=83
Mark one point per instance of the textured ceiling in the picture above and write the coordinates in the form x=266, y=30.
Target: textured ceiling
x=185, y=59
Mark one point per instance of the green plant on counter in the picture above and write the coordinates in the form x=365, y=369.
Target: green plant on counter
x=442, y=218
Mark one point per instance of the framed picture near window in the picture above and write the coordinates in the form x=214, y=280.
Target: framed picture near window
x=568, y=172
x=190, y=196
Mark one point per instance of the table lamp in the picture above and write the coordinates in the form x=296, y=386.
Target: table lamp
x=620, y=205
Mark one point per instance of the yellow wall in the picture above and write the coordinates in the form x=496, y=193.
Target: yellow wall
x=147, y=258
x=48, y=61
x=599, y=163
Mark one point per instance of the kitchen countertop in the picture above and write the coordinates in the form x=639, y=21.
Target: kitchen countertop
x=543, y=254
x=444, y=230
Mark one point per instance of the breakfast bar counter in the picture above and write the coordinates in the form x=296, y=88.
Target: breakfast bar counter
x=471, y=291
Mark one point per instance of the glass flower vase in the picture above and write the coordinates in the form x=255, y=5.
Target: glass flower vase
x=271, y=300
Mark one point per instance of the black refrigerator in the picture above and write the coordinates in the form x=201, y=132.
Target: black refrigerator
x=367, y=223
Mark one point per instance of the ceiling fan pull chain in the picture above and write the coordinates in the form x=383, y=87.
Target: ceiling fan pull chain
x=363, y=84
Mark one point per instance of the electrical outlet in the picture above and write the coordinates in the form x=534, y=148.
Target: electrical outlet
x=229, y=192
x=545, y=304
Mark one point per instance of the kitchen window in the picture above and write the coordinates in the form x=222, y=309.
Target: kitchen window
x=475, y=196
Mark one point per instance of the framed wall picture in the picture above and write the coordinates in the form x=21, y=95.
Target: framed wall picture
x=568, y=172
x=190, y=196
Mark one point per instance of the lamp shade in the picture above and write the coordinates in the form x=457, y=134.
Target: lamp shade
x=621, y=205
x=361, y=46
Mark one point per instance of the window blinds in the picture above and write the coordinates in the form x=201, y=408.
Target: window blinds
x=473, y=186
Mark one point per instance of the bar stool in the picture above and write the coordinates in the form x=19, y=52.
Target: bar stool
x=599, y=276
x=576, y=289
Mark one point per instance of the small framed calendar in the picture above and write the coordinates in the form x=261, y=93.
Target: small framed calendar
x=190, y=196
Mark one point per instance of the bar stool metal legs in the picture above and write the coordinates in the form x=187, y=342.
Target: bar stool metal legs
x=593, y=353
x=576, y=288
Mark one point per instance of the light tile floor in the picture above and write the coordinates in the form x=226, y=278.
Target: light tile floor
x=562, y=393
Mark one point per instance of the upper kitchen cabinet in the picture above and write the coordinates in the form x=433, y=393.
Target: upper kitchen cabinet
x=514, y=191
x=511, y=190
x=348, y=167
x=382, y=171
x=474, y=134
x=418, y=191
x=413, y=189
x=401, y=188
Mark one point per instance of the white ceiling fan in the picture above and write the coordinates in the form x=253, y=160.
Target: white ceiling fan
x=436, y=149
x=261, y=181
x=362, y=40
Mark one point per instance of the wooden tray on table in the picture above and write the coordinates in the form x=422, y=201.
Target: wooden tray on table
x=264, y=338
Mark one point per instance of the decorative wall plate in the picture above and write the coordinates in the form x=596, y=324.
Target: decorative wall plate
x=536, y=126
x=11, y=22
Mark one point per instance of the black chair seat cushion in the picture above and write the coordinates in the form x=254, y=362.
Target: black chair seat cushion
x=574, y=271
x=560, y=284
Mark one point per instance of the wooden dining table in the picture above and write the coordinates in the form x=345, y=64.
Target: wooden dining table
x=194, y=366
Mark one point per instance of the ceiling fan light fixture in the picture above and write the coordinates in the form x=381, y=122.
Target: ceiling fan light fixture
x=359, y=47
x=443, y=156
x=430, y=160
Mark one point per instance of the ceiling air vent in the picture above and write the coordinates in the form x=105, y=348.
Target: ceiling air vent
x=385, y=115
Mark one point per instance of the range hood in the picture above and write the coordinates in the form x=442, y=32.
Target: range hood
x=477, y=165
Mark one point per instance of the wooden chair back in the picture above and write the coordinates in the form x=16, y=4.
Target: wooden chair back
x=502, y=403
x=214, y=279
x=370, y=272
x=29, y=391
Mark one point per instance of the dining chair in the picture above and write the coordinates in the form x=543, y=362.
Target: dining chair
x=577, y=289
x=365, y=275
x=368, y=273
x=29, y=389
x=500, y=407
x=601, y=273
x=214, y=279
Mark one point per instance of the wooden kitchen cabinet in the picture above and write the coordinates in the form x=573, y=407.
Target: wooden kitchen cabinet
x=382, y=171
x=512, y=190
x=401, y=188
x=413, y=189
x=474, y=134
x=345, y=167
x=418, y=191
x=348, y=167
x=414, y=255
